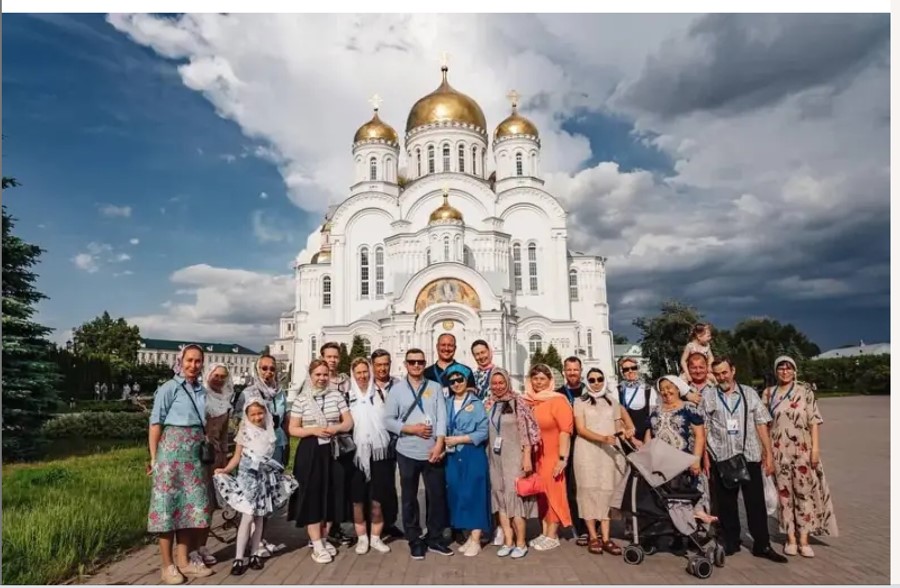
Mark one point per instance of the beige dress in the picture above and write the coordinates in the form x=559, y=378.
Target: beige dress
x=598, y=467
x=506, y=467
x=804, y=497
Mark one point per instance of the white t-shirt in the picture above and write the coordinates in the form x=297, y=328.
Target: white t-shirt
x=636, y=400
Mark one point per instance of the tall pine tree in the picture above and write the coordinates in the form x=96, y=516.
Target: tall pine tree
x=29, y=379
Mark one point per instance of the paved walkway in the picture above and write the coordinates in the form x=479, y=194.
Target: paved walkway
x=856, y=454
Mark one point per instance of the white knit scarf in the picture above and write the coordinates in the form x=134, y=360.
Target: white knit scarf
x=371, y=438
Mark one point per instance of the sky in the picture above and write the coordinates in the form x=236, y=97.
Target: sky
x=172, y=167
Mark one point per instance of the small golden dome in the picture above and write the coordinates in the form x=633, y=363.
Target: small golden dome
x=445, y=105
x=376, y=129
x=321, y=257
x=515, y=123
x=445, y=212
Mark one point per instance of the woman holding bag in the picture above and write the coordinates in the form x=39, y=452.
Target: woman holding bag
x=514, y=434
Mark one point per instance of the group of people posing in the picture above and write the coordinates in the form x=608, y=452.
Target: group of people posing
x=490, y=456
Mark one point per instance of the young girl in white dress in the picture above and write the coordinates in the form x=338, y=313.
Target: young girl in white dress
x=701, y=336
x=260, y=488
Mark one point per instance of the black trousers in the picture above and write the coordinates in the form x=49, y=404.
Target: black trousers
x=435, y=498
x=754, y=504
x=572, y=492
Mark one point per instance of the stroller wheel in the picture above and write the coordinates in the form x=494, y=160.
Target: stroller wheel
x=633, y=555
x=718, y=557
x=649, y=547
x=700, y=567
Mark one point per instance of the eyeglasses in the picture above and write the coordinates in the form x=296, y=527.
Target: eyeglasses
x=625, y=370
x=415, y=362
x=785, y=368
x=456, y=380
x=595, y=380
x=267, y=369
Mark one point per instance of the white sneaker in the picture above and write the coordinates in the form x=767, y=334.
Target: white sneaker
x=473, y=549
x=504, y=550
x=171, y=576
x=547, y=544
x=378, y=545
x=362, y=545
x=329, y=548
x=539, y=539
x=519, y=552
x=321, y=556
x=498, y=537
x=464, y=546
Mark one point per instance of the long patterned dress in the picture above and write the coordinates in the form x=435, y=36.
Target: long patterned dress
x=804, y=497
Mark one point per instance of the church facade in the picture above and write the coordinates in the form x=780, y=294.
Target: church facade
x=448, y=248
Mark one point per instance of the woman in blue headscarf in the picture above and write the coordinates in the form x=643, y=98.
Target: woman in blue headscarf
x=468, y=480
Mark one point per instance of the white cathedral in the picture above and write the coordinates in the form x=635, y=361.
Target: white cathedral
x=448, y=249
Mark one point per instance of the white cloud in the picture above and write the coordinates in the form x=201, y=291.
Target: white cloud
x=227, y=305
x=267, y=229
x=96, y=256
x=263, y=195
x=113, y=211
x=228, y=157
x=120, y=257
x=134, y=241
x=86, y=262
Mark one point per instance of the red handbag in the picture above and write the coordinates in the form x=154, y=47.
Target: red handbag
x=530, y=485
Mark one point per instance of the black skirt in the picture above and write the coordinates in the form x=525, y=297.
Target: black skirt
x=383, y=487
x=314, y=500
x=342, y=478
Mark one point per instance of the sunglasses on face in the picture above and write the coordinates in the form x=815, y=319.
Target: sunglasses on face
x=456, y=380
x=625, y=370
x=267, y=369
x=415, y=362
x=595, y=380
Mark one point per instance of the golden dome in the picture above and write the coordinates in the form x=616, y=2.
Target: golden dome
x=321, y=257
x=376, y=129
x=515, y=124
x=445, y=105
x=445, y=212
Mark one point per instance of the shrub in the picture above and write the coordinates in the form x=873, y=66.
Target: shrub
x=98, y=425
x=866, y=374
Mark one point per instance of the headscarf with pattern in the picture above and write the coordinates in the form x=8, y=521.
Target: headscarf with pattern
x=528, y=428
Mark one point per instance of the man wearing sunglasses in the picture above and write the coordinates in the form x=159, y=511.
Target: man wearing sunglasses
x=572, y=389
x=446, y=351
x=635, y=395
x=416, y=412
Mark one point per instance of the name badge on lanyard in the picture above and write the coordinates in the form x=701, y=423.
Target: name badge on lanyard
x=498, y=440
x=732, y=425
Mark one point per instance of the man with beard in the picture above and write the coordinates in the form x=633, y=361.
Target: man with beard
x=384, y=381
x=572, y=389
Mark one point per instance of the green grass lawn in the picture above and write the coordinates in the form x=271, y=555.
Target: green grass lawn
x=64, y=516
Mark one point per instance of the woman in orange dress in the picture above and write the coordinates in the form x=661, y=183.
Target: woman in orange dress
x=556, y=421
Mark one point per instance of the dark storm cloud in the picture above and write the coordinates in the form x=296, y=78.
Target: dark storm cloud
x=747, y=61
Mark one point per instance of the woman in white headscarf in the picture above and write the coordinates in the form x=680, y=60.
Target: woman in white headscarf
x=373, y=474
x=261, y=487
x=803, y=494
x=219, y=392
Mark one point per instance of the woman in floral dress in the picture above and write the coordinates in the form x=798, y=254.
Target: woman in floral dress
x=804, y=499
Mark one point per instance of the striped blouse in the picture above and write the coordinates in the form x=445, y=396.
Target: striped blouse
x=332, y=404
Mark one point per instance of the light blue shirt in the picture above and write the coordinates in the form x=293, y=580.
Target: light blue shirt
x=172, y=406
x=277, y=407
x=468, y=421
x=398, y=403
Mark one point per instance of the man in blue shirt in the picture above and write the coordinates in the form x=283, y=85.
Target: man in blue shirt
x=572, y=389
x=446, y=350
x=416, y=412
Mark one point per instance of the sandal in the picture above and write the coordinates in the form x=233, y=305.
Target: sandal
x=582, y=541
x=595, y=546
x=612, y=548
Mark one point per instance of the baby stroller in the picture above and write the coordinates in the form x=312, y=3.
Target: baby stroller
x=658, y=496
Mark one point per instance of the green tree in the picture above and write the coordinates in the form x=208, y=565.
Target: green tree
x=664, y=336
x=537, y=357
x=344, y=363
x=29, y=378
x=357, y=349
x=552, y=358
x=784, y=338
x=620, y=340
x=113, y=339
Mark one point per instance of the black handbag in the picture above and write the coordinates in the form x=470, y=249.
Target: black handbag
x=207, y=451
x=733, y=471
x=342, y=444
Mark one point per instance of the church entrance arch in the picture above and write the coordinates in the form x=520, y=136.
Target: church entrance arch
x=456, y=319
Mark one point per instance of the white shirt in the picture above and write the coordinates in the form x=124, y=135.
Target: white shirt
x=637, y=403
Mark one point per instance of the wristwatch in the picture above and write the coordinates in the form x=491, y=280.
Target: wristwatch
x=563, y=457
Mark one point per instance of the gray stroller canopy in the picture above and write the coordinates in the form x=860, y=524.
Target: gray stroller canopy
x=658, y=462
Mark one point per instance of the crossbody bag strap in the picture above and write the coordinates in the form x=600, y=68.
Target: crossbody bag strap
x=191, y=398
x=744, y=402
x=413, y=405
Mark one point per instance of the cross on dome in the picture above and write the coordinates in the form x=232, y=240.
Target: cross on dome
x=445, y=60
x=513, y=98
x=375, y=101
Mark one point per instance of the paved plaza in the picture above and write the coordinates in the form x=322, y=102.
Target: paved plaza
x=856, y=453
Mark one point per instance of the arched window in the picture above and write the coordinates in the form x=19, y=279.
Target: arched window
x=379, y=271
x=446, y=248
x=446, y=157
x=313, y=348
x=534, y=344
x=418, y=162
x=326, y=292
x=532, y=268
x=517, y=267
x=367, y=346
x=462, y=159
x=573, y=285
x=428, y=256
x=364, y=272
x=519, y=164
x=388, y=169
x=431, y=159
x=590, y=343
x=474, y=160
x=373, y=169
x=467, y=257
